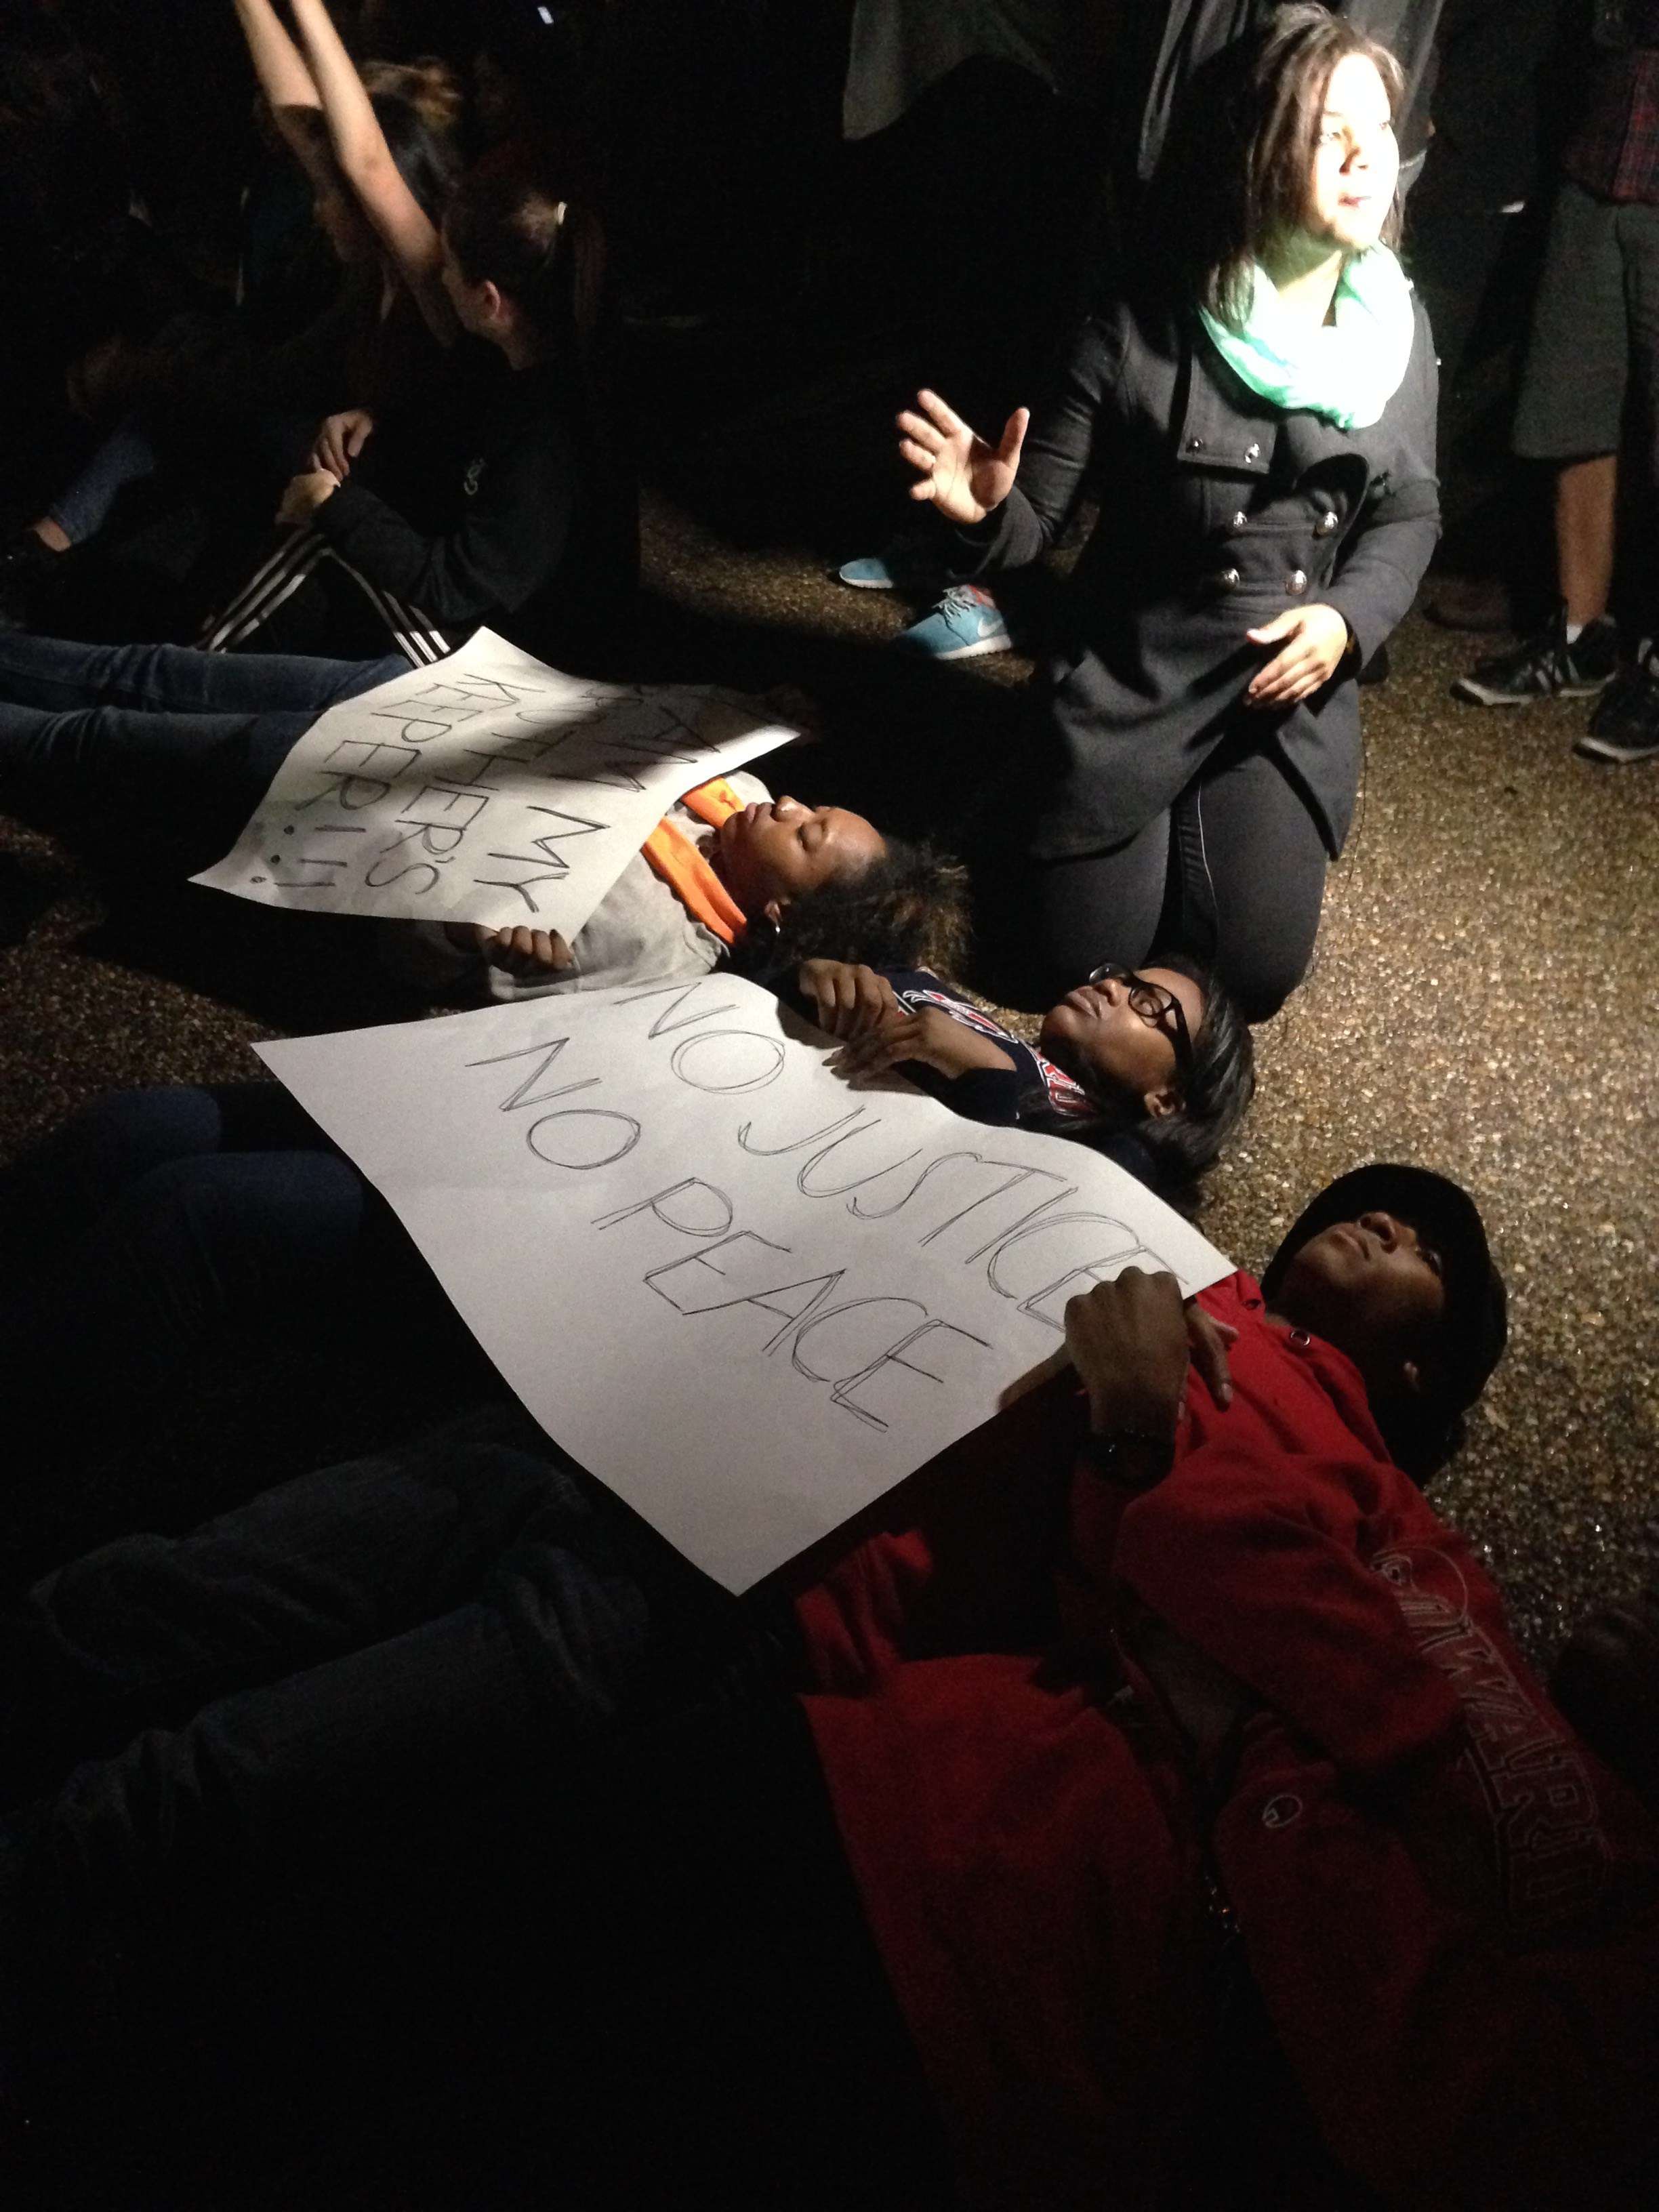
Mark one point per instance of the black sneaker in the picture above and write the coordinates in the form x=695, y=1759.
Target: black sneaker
x=1625, y=724
x=1545, y=666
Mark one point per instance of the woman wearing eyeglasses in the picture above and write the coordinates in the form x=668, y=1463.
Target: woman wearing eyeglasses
x=1257, y=418
x=1154, y=1068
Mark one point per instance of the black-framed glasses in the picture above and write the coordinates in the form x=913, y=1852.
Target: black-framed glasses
x=1156, y=1004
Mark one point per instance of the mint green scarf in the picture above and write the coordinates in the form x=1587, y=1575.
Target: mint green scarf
x=1349, y=369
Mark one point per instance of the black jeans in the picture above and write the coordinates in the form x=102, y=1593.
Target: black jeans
x=460, y=1702
x=1233, y=875
x=168, y=1259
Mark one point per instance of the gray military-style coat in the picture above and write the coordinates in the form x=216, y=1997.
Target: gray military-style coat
x=1218, y=511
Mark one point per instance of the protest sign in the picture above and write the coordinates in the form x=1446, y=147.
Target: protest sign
x=747, y=1297
x=488, y=789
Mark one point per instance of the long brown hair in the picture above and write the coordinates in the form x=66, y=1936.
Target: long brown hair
x=1240, y=149
x=546, y=253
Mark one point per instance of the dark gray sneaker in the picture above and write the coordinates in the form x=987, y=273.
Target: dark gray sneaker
x=1545, y=666
x=1625, y=724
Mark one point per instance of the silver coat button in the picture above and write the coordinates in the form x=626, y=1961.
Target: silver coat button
x=1296, y=580
x=1229, y=580
x=1240, y=520
x=1253, y=451
x=1326, y=523
x=1194, y=445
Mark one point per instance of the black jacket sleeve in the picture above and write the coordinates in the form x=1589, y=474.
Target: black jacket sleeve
x=509, y=543
x=1060, y=448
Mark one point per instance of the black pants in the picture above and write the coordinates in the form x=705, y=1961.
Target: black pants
x=461, y=1703
x=1233, y=874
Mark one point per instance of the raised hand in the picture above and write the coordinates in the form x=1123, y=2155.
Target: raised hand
x=963, y=475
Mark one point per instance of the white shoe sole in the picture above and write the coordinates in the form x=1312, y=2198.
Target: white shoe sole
x=1477, y=694
x=960, y=651
x=865, y=583
x=1590, y=747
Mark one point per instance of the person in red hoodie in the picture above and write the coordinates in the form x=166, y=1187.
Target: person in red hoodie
x=1180, y=1651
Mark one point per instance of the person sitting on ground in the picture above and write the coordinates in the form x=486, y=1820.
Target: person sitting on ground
x=1154, y=1069
x=534, y=527
x=205, y=383
x=1194, y=1616
x=1260, y=407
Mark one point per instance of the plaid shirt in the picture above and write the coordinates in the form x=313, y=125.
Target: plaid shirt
x=1614, y=151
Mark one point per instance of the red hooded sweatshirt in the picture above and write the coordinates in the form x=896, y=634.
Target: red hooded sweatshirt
x=1452, y=1912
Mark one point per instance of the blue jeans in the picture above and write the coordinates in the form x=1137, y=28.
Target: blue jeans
x=273, y=446
x=127, y=456
x=183, y=740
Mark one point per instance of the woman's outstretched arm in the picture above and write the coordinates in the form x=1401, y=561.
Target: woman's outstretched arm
x=292, y=97
x=402, y=224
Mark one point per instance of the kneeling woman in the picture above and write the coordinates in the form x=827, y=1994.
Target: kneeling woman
x=1258, y=415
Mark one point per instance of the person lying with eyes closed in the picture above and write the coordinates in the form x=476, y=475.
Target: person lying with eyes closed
x=1152, y=1066
x=729, y=875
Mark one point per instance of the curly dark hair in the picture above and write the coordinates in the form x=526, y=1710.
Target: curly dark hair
x=907, y=909
x=1182, y=1147
x=1235, y=169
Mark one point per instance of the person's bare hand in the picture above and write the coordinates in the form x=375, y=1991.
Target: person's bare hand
x=341, y=439
x=1128, y=1339
x=963, y=475
x=1313, y=642
x=523, y=951
x=305, y=494
x=850, y=999
x=930, y=1037
x=1207, y=1343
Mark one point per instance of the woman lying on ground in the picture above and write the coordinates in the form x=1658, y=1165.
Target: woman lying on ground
x=180, y=746
x=510, y=506
x=722, y=877
x=1154, y=1068
x=1258, y=414
x=158, y=1230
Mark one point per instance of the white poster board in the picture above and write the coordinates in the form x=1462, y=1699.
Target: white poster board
x=488, y=788
x=747, y=1297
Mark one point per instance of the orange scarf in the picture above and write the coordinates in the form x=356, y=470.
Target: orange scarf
x=684, y=869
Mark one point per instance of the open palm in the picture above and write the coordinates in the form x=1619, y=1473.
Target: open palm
x=963, y=475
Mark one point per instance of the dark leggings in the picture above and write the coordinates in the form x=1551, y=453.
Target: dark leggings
x=1233, y=874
